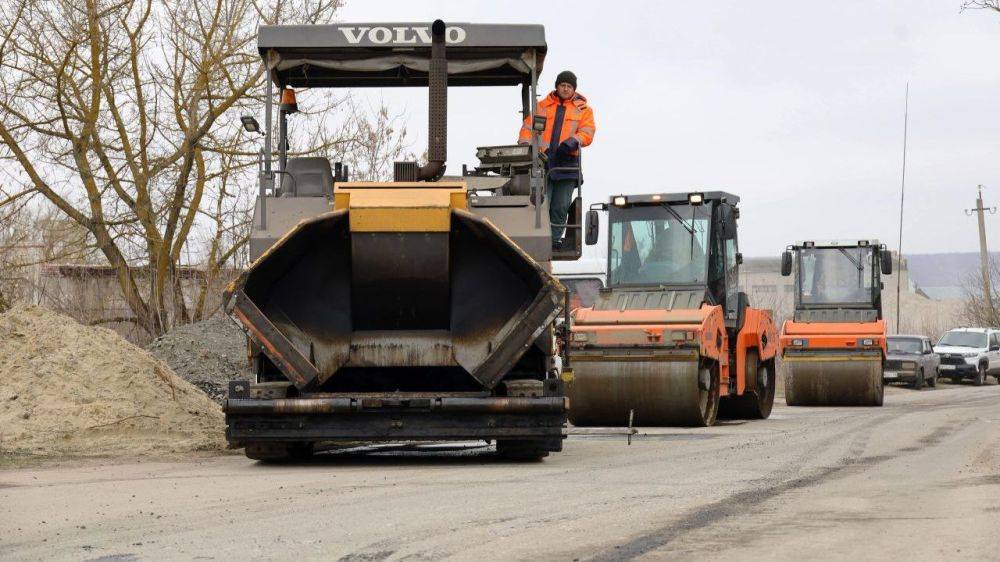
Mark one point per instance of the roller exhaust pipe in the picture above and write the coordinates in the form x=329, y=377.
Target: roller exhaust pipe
x=437, y=85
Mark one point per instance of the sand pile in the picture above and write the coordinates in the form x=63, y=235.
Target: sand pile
x=67, y=389
x=207, y=354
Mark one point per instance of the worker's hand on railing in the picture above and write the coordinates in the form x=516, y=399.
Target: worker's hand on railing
x=567, y=147
x=541, y=198
x=557, y=169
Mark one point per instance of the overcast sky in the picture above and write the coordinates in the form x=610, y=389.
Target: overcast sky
x=797, y=107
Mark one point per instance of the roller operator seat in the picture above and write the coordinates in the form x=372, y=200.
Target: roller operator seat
x=307, y=177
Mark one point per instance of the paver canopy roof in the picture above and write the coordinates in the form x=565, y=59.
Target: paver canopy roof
x=351, y=55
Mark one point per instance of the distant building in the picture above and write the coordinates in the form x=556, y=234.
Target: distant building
x=763, y=283
x=764, y=275
x=91, y=295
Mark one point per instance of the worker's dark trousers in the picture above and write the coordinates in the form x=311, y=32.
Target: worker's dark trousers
x=559, y=194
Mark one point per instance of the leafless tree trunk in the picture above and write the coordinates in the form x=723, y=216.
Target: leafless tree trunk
x=123, y=115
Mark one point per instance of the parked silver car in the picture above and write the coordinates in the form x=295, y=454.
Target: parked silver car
x=911, y=359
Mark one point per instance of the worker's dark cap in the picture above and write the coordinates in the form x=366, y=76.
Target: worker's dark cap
x=566, y=77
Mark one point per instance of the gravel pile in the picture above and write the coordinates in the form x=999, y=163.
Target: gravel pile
x=207, y=354
x=73, y=390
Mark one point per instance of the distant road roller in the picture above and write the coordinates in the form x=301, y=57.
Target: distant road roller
x=413, y=310
x=671, y=340
x=834, y=346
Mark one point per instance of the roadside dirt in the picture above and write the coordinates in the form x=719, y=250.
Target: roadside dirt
x=208, y=354
x=73, y=390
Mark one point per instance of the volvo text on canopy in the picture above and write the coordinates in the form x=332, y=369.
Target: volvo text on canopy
x=413, y=310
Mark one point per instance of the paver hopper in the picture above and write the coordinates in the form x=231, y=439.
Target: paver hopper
x=834, y=347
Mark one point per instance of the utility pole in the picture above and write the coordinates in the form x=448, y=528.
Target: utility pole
x=984, y=255
x=902, y=194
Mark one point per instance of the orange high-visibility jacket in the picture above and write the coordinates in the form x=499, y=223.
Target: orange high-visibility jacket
x=578, y=121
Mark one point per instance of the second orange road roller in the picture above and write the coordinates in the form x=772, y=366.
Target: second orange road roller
x=671, y=341
x=834, y=346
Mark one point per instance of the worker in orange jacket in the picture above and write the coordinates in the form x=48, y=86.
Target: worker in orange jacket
x=569, y=125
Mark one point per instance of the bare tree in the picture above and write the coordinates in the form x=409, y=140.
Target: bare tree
x=15, y=239
x=981, y=5
x=376, y=144
x=32, y=235
x=123, y=115
x=976, y=312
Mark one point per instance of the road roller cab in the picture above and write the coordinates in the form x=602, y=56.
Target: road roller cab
x=834, y=346
x=672, y=334
x=420, y=309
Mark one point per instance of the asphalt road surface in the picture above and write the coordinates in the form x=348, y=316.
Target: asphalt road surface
x=917, y=479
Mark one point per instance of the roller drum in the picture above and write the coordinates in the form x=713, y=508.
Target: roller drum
x=661, y=393
x=824, y=382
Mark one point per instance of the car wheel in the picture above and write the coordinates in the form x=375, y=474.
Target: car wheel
x=918, y=381
x=933, y=381
x=980, y=377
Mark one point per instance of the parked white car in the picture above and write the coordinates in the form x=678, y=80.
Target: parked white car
x=970, y=353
